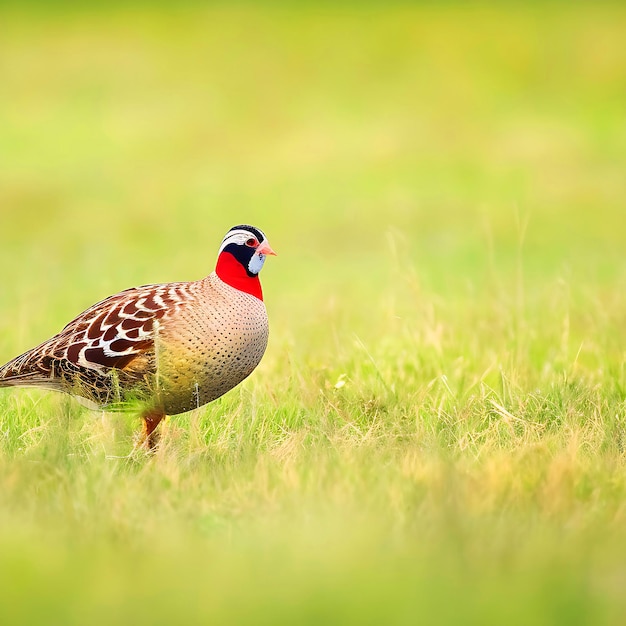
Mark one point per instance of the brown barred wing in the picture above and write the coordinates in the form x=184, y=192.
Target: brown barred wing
x=107, y=347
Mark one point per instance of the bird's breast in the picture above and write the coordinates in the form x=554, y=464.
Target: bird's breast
x=210, y=346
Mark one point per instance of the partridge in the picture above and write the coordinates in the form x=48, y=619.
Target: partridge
x=172, y=346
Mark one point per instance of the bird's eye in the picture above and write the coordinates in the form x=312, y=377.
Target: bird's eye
x=251, y=243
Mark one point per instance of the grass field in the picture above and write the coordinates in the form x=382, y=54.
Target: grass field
x=437, y=433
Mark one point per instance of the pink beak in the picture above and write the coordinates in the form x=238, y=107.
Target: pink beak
x=266, y=249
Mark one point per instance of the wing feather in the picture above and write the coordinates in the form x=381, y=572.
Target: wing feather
x=111, y=334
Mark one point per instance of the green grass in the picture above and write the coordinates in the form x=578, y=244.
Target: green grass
x=437, y=432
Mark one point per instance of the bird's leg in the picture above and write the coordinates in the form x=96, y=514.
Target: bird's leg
x=150, y=419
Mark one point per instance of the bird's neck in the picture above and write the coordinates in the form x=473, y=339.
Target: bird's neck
x=233, y=273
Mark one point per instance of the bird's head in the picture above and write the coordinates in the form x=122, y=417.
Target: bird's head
x=241, y=258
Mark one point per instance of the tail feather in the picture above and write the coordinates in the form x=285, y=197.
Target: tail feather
x=26, y=371
x=29, y=379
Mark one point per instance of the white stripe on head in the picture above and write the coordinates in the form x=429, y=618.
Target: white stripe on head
x=239, y=236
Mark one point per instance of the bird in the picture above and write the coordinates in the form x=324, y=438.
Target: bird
x=173, y=347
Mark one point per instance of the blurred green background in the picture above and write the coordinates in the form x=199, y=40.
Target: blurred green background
x=436, y=432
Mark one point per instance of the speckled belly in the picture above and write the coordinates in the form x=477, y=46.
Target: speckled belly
x=209, y=351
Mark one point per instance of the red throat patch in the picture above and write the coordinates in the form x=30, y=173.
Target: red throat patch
x=233, y=273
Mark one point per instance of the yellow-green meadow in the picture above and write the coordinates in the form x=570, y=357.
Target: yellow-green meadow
x=437, y=432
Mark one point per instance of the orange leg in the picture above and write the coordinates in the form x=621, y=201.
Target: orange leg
x=151, y=419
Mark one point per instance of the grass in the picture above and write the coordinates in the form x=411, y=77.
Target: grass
x=436, y=433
